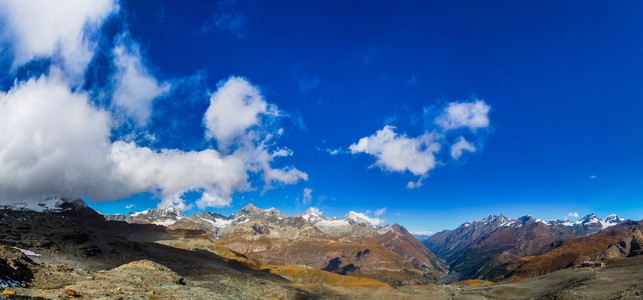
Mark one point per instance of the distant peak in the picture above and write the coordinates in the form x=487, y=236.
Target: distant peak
x=313, y=210
x=362, y=218
x=589, y=216
x=250, y=206
x=170, y=208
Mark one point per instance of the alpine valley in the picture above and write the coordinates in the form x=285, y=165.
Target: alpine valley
x=61, y=248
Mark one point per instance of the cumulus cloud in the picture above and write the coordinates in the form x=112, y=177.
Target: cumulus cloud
x=460, y=146
x=236, y=106
x=134, y=87
x=60, y=30
x=573, y=214
x=51, y=141
x=396, y=152
x=54, y=139
x=399, y=153
x=174, y=172
x=473, y=115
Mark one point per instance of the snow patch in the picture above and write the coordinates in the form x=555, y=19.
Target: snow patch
x=27, y=252
x=218, y=223
x=362, y=218
x=332, y=223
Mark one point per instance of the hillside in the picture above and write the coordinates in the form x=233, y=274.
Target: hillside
x=355, y=245
x=474, y=250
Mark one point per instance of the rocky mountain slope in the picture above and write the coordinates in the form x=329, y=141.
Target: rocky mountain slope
x=355, y=245
x=389, y=254
x=623, y=240
x=70, y=250
x=159, y=216
x=473, y=250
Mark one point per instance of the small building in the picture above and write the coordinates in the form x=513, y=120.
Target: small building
x=593, y=263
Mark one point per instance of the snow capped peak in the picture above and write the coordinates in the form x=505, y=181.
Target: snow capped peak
x=610, y=221
x=50, y=203
x=171, y=209
x=313, y=211
x=312, y=215
x=589, y=217
x=500, y=220
x=165, y=216
x=362, y=218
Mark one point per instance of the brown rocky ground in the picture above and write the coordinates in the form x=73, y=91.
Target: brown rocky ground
x=394, y=256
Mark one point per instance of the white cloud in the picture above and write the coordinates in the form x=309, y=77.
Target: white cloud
x=459, y=146
x=473, y=115
x=51, y=141
x=363, y=218
x=238, y=117
x=398, y=152
x=54, y=29
x=411, y=185
x=427, y=233
x=380, y=211
x=174, y=172
x=236, y=106
x=54, y=140
x=315, y=210
x=592, y=177
x=129, y=206
x=308, y=197
x=287, y=175
x=134, y=87
x=573, y=214
x=335, y=151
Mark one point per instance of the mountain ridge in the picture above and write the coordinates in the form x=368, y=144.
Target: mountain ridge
x=474, y=249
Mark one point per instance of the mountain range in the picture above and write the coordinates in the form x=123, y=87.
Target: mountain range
x=475, y=249
x=62, y=247
x=354, y=245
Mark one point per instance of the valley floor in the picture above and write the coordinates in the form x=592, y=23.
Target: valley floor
x=145, y=279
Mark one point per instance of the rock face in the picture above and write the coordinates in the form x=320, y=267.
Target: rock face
x=624, y=240
x=14, y=267
x=389, y=254
x=77, y=252
x=159, y=216
x=355, y=245
x=474, y=250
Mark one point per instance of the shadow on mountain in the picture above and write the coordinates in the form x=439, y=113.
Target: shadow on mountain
x=85, y=240
x=334, y=266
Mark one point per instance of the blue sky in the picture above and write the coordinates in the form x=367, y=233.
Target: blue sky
x=561, y=82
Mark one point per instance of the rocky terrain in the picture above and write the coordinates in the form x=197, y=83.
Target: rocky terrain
x=623, y=240
x=391, y=254
x=474, y=250
x=160, y=216
x=67, y=250
x=355, y=245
